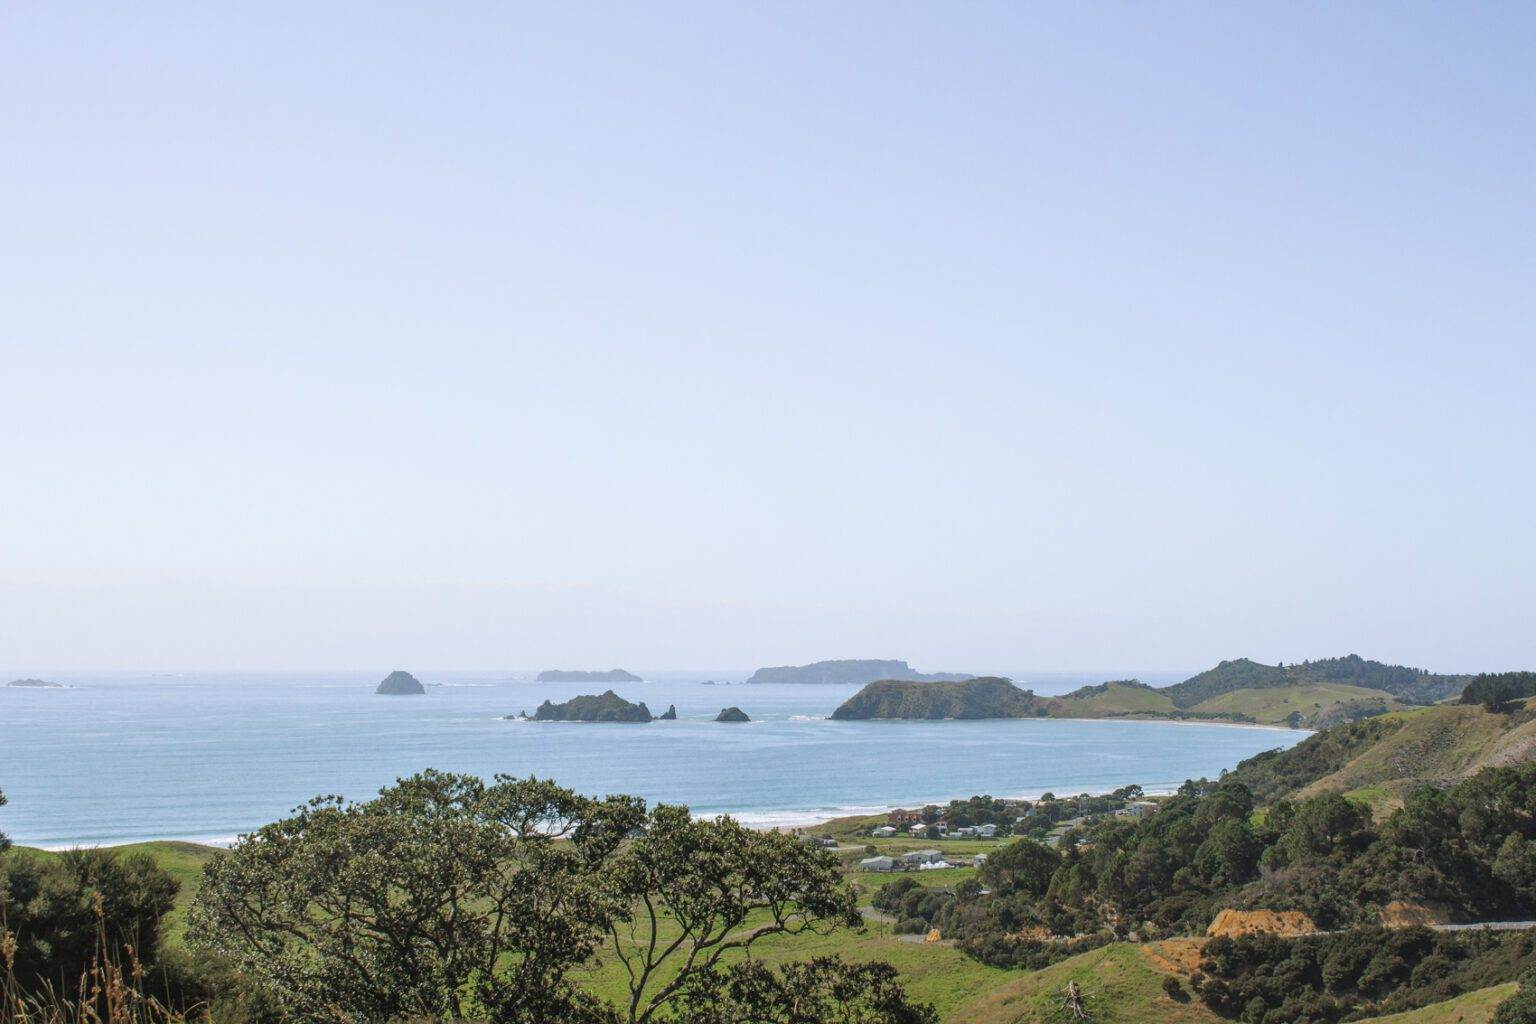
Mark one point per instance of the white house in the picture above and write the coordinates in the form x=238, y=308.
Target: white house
x=877, y=864
x=922, y=857
x=883, y=832
x=986, y=831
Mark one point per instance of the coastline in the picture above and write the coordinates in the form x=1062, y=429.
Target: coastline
x=999, y=771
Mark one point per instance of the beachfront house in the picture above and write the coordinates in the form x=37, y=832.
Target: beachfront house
x=877, y=864
x=883, y=832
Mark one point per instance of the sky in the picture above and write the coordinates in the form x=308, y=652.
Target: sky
x=988, y=336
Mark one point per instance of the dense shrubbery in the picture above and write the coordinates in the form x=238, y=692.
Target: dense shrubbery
x=1320, y=979
x=1471, y=848
x=55, y=906
x=1500, y=691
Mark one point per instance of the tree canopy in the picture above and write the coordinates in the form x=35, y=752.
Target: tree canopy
x=450, y=898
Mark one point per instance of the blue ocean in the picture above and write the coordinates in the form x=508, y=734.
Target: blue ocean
x=206, y=756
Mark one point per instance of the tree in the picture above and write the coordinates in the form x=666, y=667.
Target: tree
x=5, y=840
x=1519, y=1008
x=1515, y=863
x=826, y=990
x=62, y=910
x=695, y=885
x=452, y=899
x=1022, y=866
x=1230, y=854
x=443, y=897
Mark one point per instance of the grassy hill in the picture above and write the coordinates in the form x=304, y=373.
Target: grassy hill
x=1412, y=685
x=1119, y=984
x=1472, y=1008
x=1309, y=694
x=1436, y=745
x=1379, y=760
x=1120, y=697
x=1311, y=702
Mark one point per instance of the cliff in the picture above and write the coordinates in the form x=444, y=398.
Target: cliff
x=988, y=697
x=854, y=672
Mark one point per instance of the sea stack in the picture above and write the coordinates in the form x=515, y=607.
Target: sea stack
x=400, y=684
x=732, y=714
x=669, y=715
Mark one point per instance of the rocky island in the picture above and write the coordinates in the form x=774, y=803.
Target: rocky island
x=988, y=697
x=400, y=684
x=669, y=715
x=612, y=675
x=732, y=714
x=36, y=684
x=604, y=707
x=852, y=672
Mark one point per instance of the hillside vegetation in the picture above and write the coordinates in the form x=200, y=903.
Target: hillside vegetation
x=1313, y=695
x=1410, y=684
x=989, y=697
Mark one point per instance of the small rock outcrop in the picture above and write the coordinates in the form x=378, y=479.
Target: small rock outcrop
x=669, y=715
x=732, y=714
x=604, y=707
x=36, y=684
x=612, y=675
x=400, y=684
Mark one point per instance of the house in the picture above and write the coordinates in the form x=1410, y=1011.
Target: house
x=900, y=817
x=823, y=841
x=883, y=832
x=979, y=859
x=915, y=857
x=986, y=831
x=877, y=864
x=1138, y=809
x=963, y=832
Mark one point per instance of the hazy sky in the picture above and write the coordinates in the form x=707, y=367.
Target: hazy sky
x=986, y=335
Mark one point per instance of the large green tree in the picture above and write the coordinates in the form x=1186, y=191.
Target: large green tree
x=448, y=898
x=443, y=897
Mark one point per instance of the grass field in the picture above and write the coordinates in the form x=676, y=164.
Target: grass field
x=1472, y=1008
